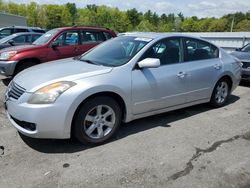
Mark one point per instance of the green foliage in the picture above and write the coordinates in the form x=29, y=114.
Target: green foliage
x=243, y=25
x=50, y=16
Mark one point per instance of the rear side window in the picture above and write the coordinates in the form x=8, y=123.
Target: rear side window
x=92, y=36
x=167, y=50
x=107, y=35
x=199, y=50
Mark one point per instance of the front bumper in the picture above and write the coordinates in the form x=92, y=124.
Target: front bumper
x=7, y=68
x=49, y=120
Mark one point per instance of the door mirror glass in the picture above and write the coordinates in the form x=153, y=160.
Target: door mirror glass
x=149, y=63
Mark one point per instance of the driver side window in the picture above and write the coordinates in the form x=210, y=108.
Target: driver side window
x=167, y=50
x=68, y=38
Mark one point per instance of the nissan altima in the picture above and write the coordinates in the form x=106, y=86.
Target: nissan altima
x=126, y=78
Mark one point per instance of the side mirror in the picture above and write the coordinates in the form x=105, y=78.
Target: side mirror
x=149, y=63
x=238, y=49
x=11, y=42
x=54, y=44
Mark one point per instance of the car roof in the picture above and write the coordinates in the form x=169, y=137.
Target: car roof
x=27, y=33
x=155, y=35
x=22, y=27
x=94, y=28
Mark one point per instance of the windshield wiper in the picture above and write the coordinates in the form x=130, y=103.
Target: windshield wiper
x=89, y=61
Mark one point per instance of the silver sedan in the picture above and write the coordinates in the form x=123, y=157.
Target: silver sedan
x=126, y=78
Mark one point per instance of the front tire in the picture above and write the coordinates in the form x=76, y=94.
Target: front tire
x=221, y=93
x=97, y=120
x=22, y=66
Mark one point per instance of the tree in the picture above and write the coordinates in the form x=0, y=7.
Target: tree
x=134, y=17
x=32, y=16
x=218, y=25
x=181, y=16
x=50, y=16
x=145, y=26
x=244, y=25
x=73, y=11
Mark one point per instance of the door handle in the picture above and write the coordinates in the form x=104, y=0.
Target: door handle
x=217, y=66
x=181, y=74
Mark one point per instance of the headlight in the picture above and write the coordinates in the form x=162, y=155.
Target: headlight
x=7, y=55
x=50, y=93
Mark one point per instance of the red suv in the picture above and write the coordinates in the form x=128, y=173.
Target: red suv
x=55, y=44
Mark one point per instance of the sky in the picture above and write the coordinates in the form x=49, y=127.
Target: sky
x=199, y=8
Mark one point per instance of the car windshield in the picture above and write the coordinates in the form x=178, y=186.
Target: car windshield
x=45, y=37
x=246, y=48
x=115, y=52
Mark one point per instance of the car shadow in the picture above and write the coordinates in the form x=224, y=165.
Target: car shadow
x=134, y=127
x=6, y=81
x=245, y=83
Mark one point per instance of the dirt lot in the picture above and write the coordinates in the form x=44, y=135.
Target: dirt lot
x=193, y=147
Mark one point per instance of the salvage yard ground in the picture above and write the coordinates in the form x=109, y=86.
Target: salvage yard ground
x=193, y=147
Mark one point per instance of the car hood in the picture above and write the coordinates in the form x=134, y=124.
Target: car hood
x=19, y=48
x=61, y=70
x=4, y=45
x=243, y=56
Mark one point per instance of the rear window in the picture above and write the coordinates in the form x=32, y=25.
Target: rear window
x=38, y=30
x=107, y=35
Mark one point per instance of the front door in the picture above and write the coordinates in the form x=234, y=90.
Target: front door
x=68, y=46
x=159, y=88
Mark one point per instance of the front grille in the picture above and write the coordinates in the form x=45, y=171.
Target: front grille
x=15, y=91
x=246, y=65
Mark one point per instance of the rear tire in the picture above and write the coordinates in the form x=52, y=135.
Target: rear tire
x=221, y=93
x=97, y=120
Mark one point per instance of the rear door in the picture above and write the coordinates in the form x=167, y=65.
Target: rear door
x=204, y=67
x=68, y=46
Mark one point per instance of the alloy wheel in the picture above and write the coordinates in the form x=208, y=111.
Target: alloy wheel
x=221, y=92
x=99, y=121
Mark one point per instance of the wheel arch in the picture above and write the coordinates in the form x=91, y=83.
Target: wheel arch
x=33, y=59
x=114, y=95
x=228, y=77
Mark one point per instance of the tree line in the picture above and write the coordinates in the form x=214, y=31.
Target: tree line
x=50, y=16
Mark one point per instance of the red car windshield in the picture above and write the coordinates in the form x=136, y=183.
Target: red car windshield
x=45, y=37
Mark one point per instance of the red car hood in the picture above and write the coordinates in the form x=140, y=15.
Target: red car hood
x=19, y=48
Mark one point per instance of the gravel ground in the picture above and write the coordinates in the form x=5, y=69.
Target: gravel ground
x=196, y=147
